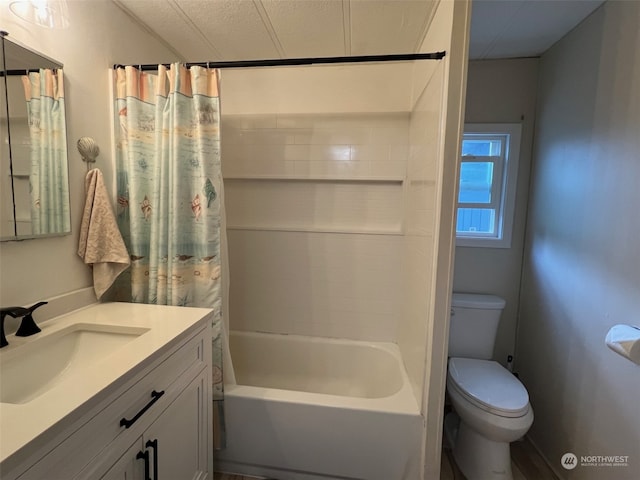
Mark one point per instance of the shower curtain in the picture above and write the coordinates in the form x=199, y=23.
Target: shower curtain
x=48, y=173
x=169, y=199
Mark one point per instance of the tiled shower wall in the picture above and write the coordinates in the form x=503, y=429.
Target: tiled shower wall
x=332, y=146
x=315, y=222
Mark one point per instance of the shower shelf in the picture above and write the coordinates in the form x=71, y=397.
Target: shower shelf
x=396, y=180
x=354, y=231
x=371, y=206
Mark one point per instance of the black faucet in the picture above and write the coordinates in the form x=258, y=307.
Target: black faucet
x=27, y=326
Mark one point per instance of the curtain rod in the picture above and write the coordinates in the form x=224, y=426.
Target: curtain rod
x=19, y=72
x=285, y=62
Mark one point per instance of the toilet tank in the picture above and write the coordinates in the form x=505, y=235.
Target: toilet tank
x=474, y=323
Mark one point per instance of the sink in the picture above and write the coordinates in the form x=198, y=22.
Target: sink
x=29, y=370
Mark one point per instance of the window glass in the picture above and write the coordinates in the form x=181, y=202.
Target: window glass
x=487, y=185
x=480, y=147
x=476, y=179
x=476, y=220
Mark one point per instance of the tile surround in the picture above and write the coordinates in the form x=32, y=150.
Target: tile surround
x=340, y=146
x=308, y=283
x=315, y=211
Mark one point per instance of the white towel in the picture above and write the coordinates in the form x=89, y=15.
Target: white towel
x=101, y=244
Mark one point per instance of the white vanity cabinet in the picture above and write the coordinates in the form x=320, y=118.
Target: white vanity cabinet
x=173, y=447
x=162, y=410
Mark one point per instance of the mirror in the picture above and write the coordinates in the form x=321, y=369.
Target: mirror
x=34, y=173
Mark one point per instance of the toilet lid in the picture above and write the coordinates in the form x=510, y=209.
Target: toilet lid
x=489, y=385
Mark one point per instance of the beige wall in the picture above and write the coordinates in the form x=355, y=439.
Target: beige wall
x=501, y=91
x=99, y=36
x=582, y=270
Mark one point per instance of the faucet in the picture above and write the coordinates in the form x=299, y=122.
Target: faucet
x=14, y=312
x=27, y=326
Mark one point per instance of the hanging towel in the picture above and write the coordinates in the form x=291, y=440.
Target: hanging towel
x=101, y=244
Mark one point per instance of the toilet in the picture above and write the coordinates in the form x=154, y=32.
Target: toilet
x=491, y=406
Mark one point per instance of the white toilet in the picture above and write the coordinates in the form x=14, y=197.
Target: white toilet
x=491, y=405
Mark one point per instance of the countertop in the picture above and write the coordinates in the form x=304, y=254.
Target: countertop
x=21, y=424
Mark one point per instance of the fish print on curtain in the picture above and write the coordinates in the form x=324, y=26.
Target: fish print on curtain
x=168, y=207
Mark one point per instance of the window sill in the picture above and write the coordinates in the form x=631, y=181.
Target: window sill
x=483, y=242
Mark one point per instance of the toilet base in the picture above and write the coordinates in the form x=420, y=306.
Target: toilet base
x=480, y=458
x=451, y=425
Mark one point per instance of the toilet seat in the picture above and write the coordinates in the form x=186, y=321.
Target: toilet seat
x=489, y=386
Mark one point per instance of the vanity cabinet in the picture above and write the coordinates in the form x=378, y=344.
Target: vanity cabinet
x=173, y=447
x=129, y=466
x=162, y=412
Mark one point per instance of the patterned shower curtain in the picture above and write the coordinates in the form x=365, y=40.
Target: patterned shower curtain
x=48, y=173
x=169, y=194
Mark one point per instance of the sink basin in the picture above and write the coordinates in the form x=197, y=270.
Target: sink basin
x=30, y=370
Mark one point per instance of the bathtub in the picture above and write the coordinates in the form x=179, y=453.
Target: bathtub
x=307, y=408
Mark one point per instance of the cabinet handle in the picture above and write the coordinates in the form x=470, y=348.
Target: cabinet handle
x=144, y=456
x=155, y=396
x=154, y=444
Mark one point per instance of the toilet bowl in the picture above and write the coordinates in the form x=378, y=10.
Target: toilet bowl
x=491, y=406
x=494, y=411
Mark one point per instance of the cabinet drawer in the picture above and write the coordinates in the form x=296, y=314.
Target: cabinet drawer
x=180, y=432
x=80, y=448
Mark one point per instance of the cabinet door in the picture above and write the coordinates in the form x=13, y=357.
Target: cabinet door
x=178, y=440
x=129, y=466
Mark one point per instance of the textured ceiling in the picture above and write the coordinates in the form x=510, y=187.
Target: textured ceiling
x=201, y=30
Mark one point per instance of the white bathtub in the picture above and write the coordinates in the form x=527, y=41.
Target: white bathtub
x=312, y=408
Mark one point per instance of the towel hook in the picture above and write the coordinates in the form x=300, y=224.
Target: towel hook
x=89, y=150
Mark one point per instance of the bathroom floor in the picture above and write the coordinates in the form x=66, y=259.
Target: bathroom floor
x=526, y=463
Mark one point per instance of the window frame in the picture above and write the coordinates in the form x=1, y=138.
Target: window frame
x=506, y=169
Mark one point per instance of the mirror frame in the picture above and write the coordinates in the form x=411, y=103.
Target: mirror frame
x=43, y=62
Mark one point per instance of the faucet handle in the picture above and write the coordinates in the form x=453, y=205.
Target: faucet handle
x=35, y=306
x=28, y=325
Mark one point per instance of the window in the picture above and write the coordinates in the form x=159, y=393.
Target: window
x=488, y=175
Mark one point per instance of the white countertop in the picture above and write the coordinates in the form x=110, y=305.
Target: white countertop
x=20, y=424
